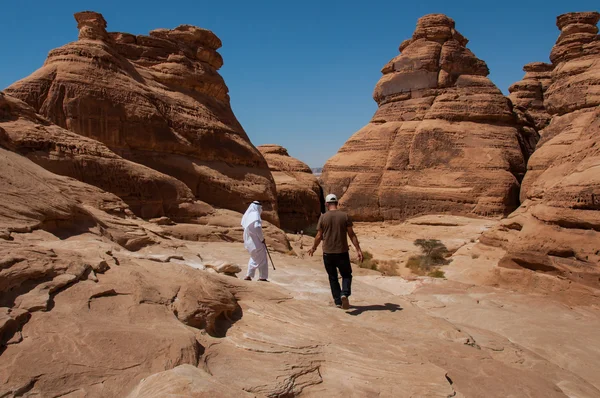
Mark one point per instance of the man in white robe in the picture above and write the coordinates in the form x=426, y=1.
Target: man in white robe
x=254, y=242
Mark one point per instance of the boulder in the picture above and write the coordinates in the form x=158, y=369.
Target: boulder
x=155, y=100
x=299, y=195
x=443, y=140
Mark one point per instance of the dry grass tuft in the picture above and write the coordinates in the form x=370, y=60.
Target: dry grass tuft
x=388, y=267
x=368, y=261
x=438, y=273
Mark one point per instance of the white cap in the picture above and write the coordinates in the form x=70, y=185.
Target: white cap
x=331, y=198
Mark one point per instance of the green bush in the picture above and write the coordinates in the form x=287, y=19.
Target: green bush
x=433, y=254
x=438, y=273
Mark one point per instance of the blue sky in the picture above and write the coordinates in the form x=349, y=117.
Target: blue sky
x=300, y=73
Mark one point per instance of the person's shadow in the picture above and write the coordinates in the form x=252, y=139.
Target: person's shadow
x=359, y=309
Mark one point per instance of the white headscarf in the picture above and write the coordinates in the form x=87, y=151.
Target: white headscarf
x=252, y=215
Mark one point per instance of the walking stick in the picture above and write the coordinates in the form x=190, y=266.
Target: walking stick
x=272, y=263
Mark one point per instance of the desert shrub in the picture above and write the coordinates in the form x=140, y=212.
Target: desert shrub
x=368, y=261
x=414, y=264
x=388, y=267
x=433, y=254
x=438, y=273
x=433, y=251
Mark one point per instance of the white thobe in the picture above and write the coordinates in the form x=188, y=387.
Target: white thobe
x=253, y=242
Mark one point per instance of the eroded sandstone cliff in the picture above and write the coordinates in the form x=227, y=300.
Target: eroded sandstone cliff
x=557, y=229
x=155, y=100
x=444, y=139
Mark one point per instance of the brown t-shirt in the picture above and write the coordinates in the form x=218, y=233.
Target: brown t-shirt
x=334, y=225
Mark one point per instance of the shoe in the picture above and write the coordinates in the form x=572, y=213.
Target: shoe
x=247, y=278
x=345, y=303
x=263, y=280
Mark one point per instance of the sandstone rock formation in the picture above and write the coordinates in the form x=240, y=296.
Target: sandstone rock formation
x=147, y=192
x=299, y=195
x=96, y=302
x=557, y=229
x=67, y=285
x=155, y=100
x=528, y=94
x=444, y=139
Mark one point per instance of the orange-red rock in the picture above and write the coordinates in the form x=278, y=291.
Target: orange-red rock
x=299, y=194
x=148, y=192
x=156, y=100
x=528, y=94
x=444, y=139
x=557, y=229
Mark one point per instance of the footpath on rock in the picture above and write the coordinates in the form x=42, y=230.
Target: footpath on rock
x=150, y=318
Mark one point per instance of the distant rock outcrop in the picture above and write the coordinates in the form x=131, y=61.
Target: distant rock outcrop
x=557, y=229
x=299, y=195
x=155, y=100
x=528, y=93
x=444, y=139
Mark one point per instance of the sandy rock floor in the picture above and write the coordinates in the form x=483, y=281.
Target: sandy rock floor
x=419, y=337
x=468, y=335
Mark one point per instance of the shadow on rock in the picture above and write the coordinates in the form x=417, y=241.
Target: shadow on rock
x=225, y=321
x=359, y=309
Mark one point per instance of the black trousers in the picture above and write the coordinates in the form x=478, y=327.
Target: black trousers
x=341, y=262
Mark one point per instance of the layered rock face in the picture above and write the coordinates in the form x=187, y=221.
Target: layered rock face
x=557, y=229
x=299, y=195
x=147, y=192
x=62, y=287
x=144, y=191
x=528, y=94
x=155, y=100
x=444, y=139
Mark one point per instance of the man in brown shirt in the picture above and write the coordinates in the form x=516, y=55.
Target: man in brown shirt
x=333, y=229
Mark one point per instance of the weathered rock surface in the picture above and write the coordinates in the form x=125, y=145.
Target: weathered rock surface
x=299, y=195
x=444, y=139
x=75, y=311
x=528, y=94
x=81, y=315
x=147, y=192
x=557, y=229
x=155, y=100
x=185, y=381
x=425, y=337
